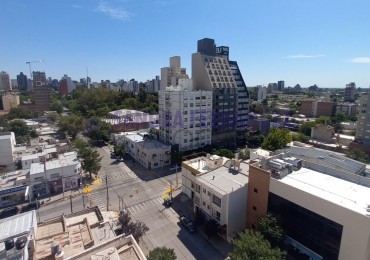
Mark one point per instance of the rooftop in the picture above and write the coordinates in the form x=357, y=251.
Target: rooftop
x=225, y=180
x=138, y=137
x=17, y=225
x=5, y=135
x=63, y=160
x=344, y=193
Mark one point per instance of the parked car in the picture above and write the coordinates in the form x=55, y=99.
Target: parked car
x=175, y=167
x=8, y=212
x=187, y=223
x=31, y=206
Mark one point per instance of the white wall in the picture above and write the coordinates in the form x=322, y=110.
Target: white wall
x=356, y=227
x=6, y=150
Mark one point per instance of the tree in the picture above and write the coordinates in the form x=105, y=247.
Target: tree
x=269, y=227
x=305, y=128
x=71, y=125
x=21, y=131
x=90, y=157
x=358, y=155
x=251, y=246
x=276, y=139
x=300, y=137
x=136, y=229
x=255, y=140
x=244, y=155
x=162, y=253
x=97, y=129
x=119, y=150
x=224, y=153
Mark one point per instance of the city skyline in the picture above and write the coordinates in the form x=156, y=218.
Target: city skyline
x=306, y=43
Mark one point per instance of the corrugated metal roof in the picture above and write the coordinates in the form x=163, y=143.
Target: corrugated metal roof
x=17, y=225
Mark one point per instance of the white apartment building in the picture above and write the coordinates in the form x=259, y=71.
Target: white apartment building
x=55, y=175
x=170, y=75
x=10, y=101
x=7, y=143
x=185, y=116
x=218, y=188
x=145, y=149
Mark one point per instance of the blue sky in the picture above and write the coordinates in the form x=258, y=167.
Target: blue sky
x=323, y=42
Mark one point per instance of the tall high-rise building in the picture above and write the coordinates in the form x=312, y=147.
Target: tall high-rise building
x=5, y=81
x=212, y=70
x=185, y=116
x=363, y=126
x=170, y=75
x=22, y=82
x=280, y=85
x=66, y=86
x=350, y=92
x=39, y=78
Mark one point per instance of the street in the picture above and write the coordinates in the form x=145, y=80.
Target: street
x=140, y=191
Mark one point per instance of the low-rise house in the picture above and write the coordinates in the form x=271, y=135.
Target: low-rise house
x=145, y=149
x=14, y=188
x=57, y=175
x=323, y=133
x=218, y=188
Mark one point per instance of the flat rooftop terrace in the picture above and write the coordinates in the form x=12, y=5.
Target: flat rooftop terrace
x=341, y=192
x=226, y=180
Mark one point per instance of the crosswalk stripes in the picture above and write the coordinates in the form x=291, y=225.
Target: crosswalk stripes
x=96, y=200
x=144, y=205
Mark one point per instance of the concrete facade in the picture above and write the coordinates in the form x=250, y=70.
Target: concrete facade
x=7, y=143
x=349, y=109
x=170, y=75
x=10, y=101
x=5, y=84
x=323, y=133
x=363, y=121
x=145, y=149
x=212, y=70
x=185, y=116
x=218, y=188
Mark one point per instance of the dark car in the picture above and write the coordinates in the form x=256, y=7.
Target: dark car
x=8, y=212
x=187, y=223
x=31, y=206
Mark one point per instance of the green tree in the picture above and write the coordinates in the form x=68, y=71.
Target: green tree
x=252, y=246
x=71, y=125
x=224, y=153
x=300, y=137
x=90, y=157
x=276, y=139
x=162, y=253
x=21, y=131
x=120, y=149
x=269, y=227
x=97, y=129
x=358, y=155
x=255, y=140
x=244, y=155
x=305, y=128
x=136, y=228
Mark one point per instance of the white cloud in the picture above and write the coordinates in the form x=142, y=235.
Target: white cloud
x=77, y=6
x=361, y=60
x=114, y=13
x=302, y=56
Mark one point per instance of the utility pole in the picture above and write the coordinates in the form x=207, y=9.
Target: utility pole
x=177, y=178
x=171, y=189
x=83, y=201
x=70, y=199
x=106, y=183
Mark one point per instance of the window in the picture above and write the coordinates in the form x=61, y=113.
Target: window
x=4, y=198
x=207, y=206
x=216, y=200
x=197, y=200
x=209, y=193
x=204, y=203
x=204, y=190
x=192, y=185
x=255, y=190
x=254, y=208
x=197, y=188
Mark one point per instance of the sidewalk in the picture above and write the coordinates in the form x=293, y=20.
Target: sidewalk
x=74, y=193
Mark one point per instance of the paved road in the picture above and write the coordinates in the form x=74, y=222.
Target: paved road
x=142, y=191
